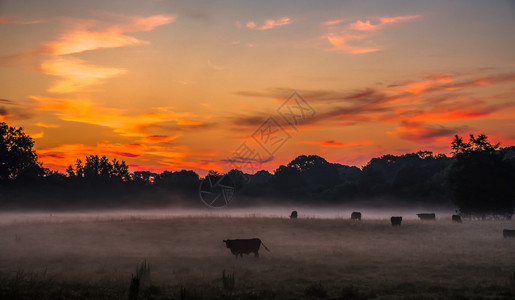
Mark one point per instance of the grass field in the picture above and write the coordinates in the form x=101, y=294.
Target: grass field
x=309, y=258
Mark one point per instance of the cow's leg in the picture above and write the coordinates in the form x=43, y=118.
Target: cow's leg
x=256, y=254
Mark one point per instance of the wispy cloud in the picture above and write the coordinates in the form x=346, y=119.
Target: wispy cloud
x=45, y=125
x=84, y=35
x=424, y=133
x=88, y=35
x=422, y=107
x=74, y=74
x=120, y=121
x=372, y=25
x=356, y=37
x=269, y=23
x=214, y=66
x=332, y=143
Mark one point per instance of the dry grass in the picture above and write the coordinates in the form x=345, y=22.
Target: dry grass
x=344, y=259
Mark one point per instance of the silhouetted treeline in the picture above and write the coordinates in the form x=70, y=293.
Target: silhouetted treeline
x=478, y=178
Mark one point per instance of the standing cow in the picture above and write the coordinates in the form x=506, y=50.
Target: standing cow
x=456, y=219
x=427, y=217
x=245, y=246
x=293, y=215
x=356, y=215
x=396, y=221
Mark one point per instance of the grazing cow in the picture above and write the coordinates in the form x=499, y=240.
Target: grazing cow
x=293, y=215
x=508, y=233
x=427, y=217
x=241, y=246
x=396, y=221
x=356, y=215
x=456, y=219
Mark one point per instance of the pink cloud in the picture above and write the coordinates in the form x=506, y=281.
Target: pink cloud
x=332, y=143
x=381, y=22
x=357, y=37
x=270, y=23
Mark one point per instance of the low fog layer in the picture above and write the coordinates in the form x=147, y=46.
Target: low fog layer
x=339, y=212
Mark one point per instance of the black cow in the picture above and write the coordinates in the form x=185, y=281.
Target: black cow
x=241, y=246
x=427, y=217
x=396, y=221
x=508, y=233
x=293, y=215
x=456, y=219
x=356, y=215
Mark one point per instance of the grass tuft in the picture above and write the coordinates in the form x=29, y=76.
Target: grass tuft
x=228, y=281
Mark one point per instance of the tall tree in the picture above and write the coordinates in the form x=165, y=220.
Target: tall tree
x=481, y=180
x=18, y=160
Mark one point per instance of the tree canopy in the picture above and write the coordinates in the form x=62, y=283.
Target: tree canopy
x=477, y=179
x=481, y=179
x=18, y=161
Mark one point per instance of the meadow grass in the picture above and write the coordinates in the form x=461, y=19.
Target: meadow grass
x=309, y=258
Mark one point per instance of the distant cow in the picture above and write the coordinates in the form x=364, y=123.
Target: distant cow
x=245, y=246
x=356, y=215
x=293, y=215
x=508, y=233
x=456, y=219
x=396, y=221
x=427, y=217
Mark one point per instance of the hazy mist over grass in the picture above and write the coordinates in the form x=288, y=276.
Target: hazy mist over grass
x=185, y=248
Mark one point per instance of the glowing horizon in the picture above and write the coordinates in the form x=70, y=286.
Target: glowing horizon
x=167, y=85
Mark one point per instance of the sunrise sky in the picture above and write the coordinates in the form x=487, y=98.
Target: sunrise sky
x=170, y=85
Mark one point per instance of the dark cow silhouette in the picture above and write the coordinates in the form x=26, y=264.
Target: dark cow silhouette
x=396, y=221
x=508, y=233
x=356, y=215
x=456, y=219
x=293, y=215
x=427, y=217
x=244, y=246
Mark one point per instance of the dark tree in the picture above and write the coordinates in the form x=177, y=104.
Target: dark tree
x=18, y=161
x=99, y=169
x=481, y=180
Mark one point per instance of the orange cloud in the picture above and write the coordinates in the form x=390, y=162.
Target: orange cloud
x=84, y=38
x=75, y=74
x=341, y=42
x=382, y=21
x=363, y=26
x=152, y=139
x=44, y=125
x=332, y=143
x=333, y=22
x=356, y=37
x=61, y=156
x=270, y=23
x=387, y=20
x=86, y=111
x=423, y=133
x=420, y=106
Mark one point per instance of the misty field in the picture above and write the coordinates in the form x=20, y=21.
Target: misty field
x=309, y=258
